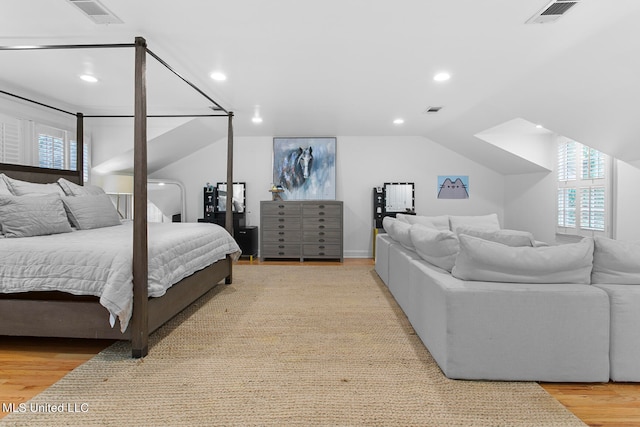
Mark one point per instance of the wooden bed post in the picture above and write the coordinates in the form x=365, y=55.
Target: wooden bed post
x=80, y=146
x=140, y=322
x=228, y=221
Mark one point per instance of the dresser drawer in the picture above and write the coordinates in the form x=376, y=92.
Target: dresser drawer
x=280, y=209
x=280, y=251
x=277, y=223
x=321, y=223
x=281, y=236
x=321, y=209
x=328, y=251
x=321, y=236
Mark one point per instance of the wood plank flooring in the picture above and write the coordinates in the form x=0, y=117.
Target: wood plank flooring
x=30, y=365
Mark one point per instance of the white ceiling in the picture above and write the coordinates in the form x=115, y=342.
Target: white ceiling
x=337, y=67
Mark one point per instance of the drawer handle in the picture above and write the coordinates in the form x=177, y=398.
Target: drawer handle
x=280, y=240
x=280, y=213
x=281, y=226
x=322, y=226
x=321, y=220
x=281, y=206
x=280, y=253
x=321, y=247
x=281, y=233
x=321, y=233
x=320, y=253
x=321, y=240
x=281, y=246
x=280, y=219
x=320, y=213
x=321, y=206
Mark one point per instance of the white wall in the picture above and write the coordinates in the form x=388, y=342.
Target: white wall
x=628, y=201
x=362, y=163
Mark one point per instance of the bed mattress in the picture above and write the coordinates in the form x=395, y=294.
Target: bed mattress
x=98, y=262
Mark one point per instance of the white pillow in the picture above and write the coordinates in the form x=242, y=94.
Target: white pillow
x=73, y=189
x=24, y=188
x=438, y=222
x=506, y=237
x=487, y=261
x=488, y=222
x=32, y=216
x=437, y=247
x=387, y=223
x=4, y=190
x=89, y=212
x=616, y=262
x=399, y=231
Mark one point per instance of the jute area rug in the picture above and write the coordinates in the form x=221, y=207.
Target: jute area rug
x=283, y=346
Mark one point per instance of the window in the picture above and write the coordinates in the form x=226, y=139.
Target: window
x=56, y=150
x=583, y=190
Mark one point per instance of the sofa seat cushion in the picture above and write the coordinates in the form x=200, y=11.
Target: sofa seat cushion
x=483, y=260
x=616, y=262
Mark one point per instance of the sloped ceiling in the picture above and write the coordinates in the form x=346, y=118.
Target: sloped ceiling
x=331, y=67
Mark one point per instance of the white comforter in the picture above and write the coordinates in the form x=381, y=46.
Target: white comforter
x=99, y=262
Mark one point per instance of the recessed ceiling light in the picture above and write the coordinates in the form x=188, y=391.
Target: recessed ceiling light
x=538, y=126
x=257, y=119
x=218, y=76
x=89, y=78
x=398, y=121
x=442, y=77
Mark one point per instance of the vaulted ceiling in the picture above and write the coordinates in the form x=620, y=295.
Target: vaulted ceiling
x=335, y=67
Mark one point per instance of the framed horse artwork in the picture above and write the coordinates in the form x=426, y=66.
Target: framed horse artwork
x=305, y=167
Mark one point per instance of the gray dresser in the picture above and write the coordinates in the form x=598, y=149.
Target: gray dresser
x=306, y=229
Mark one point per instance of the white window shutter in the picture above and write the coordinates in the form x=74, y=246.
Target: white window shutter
x=10, y=137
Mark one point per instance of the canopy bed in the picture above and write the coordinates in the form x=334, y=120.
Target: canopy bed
x=57, y=313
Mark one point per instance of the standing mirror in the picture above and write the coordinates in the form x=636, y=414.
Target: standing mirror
x=399, y=197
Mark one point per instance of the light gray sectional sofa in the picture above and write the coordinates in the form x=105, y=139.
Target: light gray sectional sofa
x=483, y=310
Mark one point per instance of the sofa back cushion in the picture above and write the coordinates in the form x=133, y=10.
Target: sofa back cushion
x=487, y=261
x=437, y=247
x=616, y=262
x=487, y=222
x=440, y=222
x=506, y=237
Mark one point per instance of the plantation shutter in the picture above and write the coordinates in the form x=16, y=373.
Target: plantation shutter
x=10, y=137
x=51, y=147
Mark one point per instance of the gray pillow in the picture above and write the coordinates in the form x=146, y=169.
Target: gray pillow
x=73, y=189
x=89, y=212
x=32, y=216
x=506, y=237
x=25, y=188
x=4, y=190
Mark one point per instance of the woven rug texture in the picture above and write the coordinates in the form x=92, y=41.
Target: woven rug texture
x=286, y=346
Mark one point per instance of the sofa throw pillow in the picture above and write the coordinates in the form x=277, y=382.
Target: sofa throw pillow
x=89, y=212
x=32, y=216
x=616, y=262
x=399, y=231
x=438, y=222
x=487, y=222
x=504, y=236
x=73, y=189
x=487, y=261
x=437, y=247
x=25, y=188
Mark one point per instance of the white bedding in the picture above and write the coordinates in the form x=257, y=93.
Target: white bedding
x=99, y=262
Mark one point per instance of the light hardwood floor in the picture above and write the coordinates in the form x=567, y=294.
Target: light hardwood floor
x=29, y=365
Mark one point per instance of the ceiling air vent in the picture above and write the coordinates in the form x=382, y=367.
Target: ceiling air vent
x=552, y=11
x=95, y=11
x=432, y=110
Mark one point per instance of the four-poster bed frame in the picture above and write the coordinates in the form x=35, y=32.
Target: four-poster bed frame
x=57, y=314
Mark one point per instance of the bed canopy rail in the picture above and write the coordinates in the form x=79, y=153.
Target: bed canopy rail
x=139, y=321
